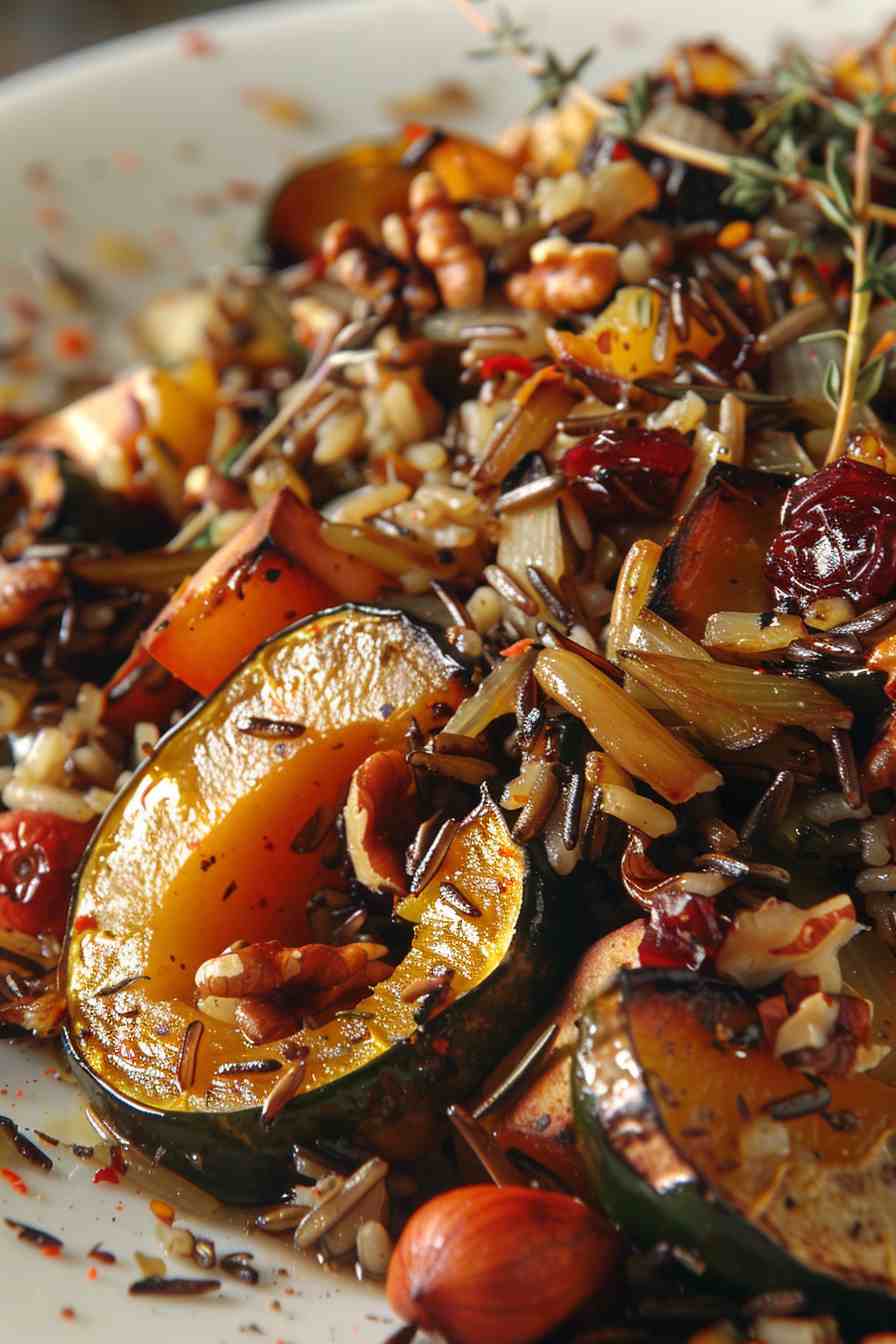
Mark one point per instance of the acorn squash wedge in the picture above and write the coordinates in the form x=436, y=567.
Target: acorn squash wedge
x=691, y=1134
x=200, y=849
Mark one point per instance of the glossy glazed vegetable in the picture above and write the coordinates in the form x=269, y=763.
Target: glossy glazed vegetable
x=142, y=691
x=275, y=571
x=714, y=560
x=687, y=1124
x=202, y=848
x=622, y=342
x=537, y=1117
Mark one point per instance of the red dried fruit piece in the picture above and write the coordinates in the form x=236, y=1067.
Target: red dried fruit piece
x=618, y=472
x=837, y=537
x=39, y=852
x=684, y=931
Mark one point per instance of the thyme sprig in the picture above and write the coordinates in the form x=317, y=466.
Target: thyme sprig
x=508, y=37
x=855, y=211
x=801, y=118
x=512, y=39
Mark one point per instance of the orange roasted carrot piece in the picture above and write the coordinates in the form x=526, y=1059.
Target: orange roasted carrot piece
x=274, y=571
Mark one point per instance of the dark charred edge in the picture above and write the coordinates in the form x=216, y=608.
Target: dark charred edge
x=722, y=476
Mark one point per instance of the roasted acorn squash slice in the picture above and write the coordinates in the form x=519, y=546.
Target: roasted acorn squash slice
x=678, y=1109
x=199, y=851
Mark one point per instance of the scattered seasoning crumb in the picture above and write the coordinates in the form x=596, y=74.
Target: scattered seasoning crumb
x=195, y=43
x=67, y=1313
x=448, y=97
x=126, y=160
x=242, y=191
x=279, y=108
x=121, y=254
x=14, y=1180
x=156, y=1286
x=238, y=1265
x=73, y=343
x=51, y=218
x=37, y=176
x=98, y=1252
x=44, y=1241
x=105, y=1176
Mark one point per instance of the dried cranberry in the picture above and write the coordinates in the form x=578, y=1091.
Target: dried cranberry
x=837, y=537
x=39, y=852
x=621, y=471
x=684, y=931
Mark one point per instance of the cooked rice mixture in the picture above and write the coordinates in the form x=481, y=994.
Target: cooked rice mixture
x=611, y=405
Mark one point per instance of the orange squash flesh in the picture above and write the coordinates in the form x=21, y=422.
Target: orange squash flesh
x=273, y=572
x=197, y=852
x=708, y=1094
x=715, y=559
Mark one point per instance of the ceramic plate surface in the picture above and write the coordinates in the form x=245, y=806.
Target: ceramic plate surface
x=140, y=164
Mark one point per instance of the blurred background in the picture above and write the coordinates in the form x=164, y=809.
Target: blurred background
x=37, y=30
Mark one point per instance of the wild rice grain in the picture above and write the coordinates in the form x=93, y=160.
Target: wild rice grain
x=456, y=898
x=506, y=586
x=540, y=491
x=374, y=1249
x=540, y=803
x=238, y=1265
x=432, y=860
x=318, y=1221
x=156, y=1286
x=465, y=769
x=537, y=1050
x=286, y=1087
x=189, y=1052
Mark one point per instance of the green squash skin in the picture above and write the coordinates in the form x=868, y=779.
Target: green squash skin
x=237, y=1160
x=234, y=1157
x=692, y=1216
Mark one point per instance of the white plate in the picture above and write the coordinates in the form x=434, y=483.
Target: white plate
x=141, y=141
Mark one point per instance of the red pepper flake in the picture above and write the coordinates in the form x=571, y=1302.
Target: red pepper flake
x=24, y=309
x=126, y=160
x=106, y=1176
x=164, y=1212
x=38, y=176
x=196, y=43
x=73, y=342
x=241, y=190
x=85, y=922
x=67, y=1313
x=51, y=218
x=441, y=1045
x=620, y=151
x=51, y=1252
x=92, y=1274
x=514, y=650
x=493, y=365
x=13, y=1179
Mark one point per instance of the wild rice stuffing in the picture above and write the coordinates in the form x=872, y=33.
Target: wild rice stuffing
x=611, y=407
